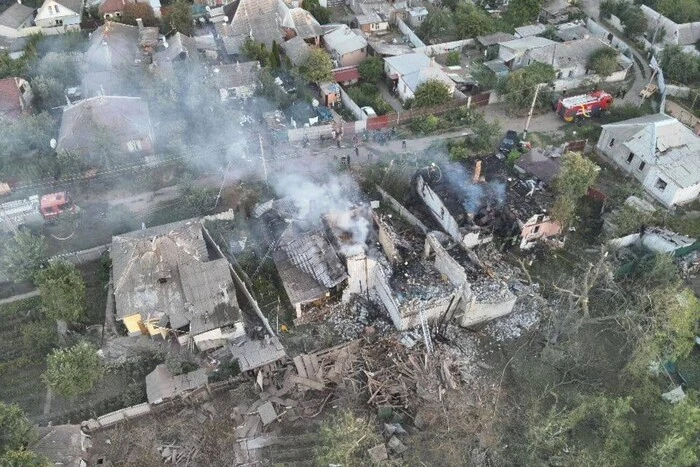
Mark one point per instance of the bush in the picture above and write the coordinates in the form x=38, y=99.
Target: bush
x=425, y=125
x=453, y=58
x=371, y=69
x=603, y=61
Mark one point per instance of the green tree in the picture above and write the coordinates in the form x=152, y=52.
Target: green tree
x=133, y=11
x=680, y=11
x=16, y=432
x=680, y=66
x=322, y=14
x=275, y=60
x=178, y=17
x=61, y=66
x=23, y=458
x=521, y=12
x=48, y=93
x=577, y=175
x=318, y=67
x=437, y=25
x=38, y=339
x=271, y=91
x=634, y=20
x=371, y=69
x=471, y=21
x=680, y=444
x=29, y=135
x=73, y=371
x=603, y=61
x=430, y=93
x=485, y=133
x=23, y=255
x=518, y=88
x=256, y=51
x=62, y=292
x=345, y=439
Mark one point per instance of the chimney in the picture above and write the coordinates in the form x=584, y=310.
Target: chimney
x=139, y=22
x=477, y=172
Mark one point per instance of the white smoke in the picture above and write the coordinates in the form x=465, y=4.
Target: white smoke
x=332, y=198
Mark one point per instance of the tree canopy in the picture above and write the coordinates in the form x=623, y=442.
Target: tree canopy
x=133, y=11
x=680, y=66
x=318, y=67
x=62, y=292
x=74, y=370
x=371, y=69
x=577, y=174
x=518, y=88
x=178, y=17
x=437, y=25
x=23, y=255
x=430, y=93
x=23, y=458
x=603, y=61
x=521, y=12
x=16, y=431
x=322, y=14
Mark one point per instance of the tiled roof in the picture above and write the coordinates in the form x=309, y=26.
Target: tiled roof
x=235, y=75
x=343, y=75
x=495, y=38
x=126, y=118
x=10, y=97
x=297, y=50
x=178, y=44
x=303, y=23
x=61, y=444
x=16, y=15
x=73, y=5
x=113, y=6
x=113, y=46
x=164, y=273
x=255, y=19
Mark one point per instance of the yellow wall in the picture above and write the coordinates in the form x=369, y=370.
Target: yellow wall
x=132, y=324
x=135, y=326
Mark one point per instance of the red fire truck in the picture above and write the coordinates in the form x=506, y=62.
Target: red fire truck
x=576, y=108
x=34, y=210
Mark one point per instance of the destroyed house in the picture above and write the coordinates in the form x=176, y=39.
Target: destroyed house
x=421, y=282
x=308, y=265
x=166, y=284
x=471, y=207
x=163, y=385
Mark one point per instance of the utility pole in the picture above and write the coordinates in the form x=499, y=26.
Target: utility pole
x=262, y=156
x=532, y=109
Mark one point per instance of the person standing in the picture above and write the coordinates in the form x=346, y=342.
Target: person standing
x=403, y=144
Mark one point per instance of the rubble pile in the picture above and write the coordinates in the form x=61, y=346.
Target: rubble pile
x=463, y=349
x=405, y=378
x=525, y=316
x=417, y=279
x=489, y=290
x=356, y=318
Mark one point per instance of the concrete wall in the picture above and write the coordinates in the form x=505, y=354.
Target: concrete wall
x=112, y=418
x=678, y=91
x=408, y=32
x=313, y=132
x=83, y=256
x=620, y=242
x=478, y=312
x=386, y=241
x=403, y=212
x=438, y=209
x=439, y=49
x=444, y=262
x=350, y=104
x=679, y=34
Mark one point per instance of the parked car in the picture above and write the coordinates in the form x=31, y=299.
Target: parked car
x=509, y=142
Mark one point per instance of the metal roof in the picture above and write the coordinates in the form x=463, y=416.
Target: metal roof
x=527, y=43
x=343, y=41
x=530, y=30
x=408, y=63
x=495, y=38
x=664, y=142
x=254, y=353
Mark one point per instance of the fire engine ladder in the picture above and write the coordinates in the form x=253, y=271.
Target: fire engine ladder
x=579, y=100
x=426, y=332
